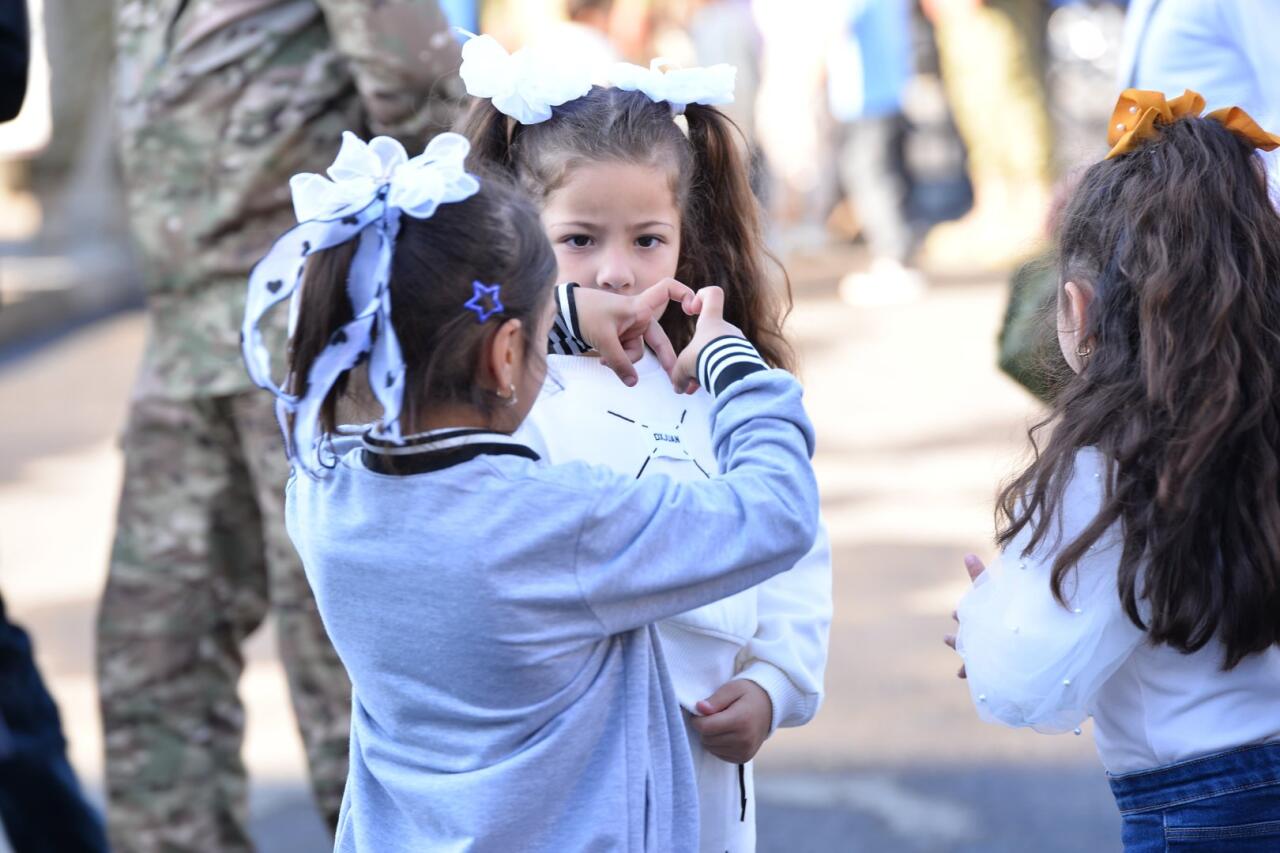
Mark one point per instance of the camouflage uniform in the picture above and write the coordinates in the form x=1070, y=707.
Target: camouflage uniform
x=220, y=101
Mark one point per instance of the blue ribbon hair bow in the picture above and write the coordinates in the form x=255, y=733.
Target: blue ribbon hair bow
x=367, y=189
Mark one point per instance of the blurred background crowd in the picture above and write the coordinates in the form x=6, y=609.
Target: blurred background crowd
x=907, y=153
x=928, y=132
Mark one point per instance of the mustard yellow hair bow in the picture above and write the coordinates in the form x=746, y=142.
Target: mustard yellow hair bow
x=1134, y=119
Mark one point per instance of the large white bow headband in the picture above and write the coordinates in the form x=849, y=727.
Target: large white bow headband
x=368, y=187
x=525, y=85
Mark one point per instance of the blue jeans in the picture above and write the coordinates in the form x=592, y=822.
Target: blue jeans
x=41, y=807
x=1225, y=803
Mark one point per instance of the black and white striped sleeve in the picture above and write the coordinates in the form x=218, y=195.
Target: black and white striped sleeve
x=726, y=360
x=565, y=338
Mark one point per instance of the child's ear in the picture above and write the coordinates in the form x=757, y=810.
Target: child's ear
x=506, y=357
x=1079, y=295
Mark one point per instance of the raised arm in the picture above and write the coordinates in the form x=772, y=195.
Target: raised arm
x=655, y=547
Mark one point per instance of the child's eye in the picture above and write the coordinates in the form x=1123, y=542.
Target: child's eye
x=648, y=241
x=577, y=241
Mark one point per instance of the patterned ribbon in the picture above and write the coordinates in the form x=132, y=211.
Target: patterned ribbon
x=368, y=188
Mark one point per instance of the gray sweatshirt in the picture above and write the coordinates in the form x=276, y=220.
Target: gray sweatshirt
x=496, y=615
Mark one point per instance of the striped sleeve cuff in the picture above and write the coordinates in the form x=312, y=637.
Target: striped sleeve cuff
x=565, y=338
x=726, y=360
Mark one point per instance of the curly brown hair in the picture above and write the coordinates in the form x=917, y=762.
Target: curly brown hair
x=1180, y=394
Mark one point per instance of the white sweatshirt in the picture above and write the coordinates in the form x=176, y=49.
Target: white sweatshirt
x=774, y=634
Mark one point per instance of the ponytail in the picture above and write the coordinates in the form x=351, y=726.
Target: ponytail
x=493, y=236
x=489, y=131
x=325, y=308
x=723, y=241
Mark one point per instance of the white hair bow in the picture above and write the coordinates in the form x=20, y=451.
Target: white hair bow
x=678, y=87
x=524, y=85
x=369, y=186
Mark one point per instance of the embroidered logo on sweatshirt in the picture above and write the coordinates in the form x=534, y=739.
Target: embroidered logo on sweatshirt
x=666, y=443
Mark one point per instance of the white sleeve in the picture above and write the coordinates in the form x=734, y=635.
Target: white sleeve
x=1029, y=660
x=787, y=657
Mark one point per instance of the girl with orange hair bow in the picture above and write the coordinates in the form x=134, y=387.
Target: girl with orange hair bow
x=1139, y=582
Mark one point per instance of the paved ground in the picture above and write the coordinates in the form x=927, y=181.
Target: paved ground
x=915, y=427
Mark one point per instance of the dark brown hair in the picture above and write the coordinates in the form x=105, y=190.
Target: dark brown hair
x=721, y=241
x=493, y=237
x=1180, y=394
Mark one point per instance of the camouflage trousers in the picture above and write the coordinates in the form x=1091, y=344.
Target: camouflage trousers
x=200, y=556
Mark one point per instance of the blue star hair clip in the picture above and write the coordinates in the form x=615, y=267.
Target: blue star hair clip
x=479, y=293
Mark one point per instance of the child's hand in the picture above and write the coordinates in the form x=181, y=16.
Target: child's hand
x=619, y=326
x=711, y=325
x=735, y=720
x=974, y=566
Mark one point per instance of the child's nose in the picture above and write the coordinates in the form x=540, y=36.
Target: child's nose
x=614, y=273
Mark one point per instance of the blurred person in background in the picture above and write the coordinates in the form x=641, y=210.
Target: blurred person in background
x=585, y=35
x=218, y=103
x=41, y=806
x=725, y=32
x=991, y=53
x=1221, y=48
x=1224, y=49
x=791, y=117
x=868, y=67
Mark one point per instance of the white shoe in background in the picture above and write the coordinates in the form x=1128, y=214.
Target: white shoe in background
x=887, y=282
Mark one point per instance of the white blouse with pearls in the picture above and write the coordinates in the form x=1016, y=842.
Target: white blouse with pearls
x=1032, y=662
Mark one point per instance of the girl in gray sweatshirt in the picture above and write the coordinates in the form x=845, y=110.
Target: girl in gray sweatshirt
x=496, y=613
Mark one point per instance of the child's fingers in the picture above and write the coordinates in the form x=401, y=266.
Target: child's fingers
x=714, y=725
x=724, y=697
x=726, y=755
x=677, y=292
x=615, y=358
x=633, y=348
x=735, y=749
x=974, y=566
x=950, y=640
x=656, y=337
x=656, y=298
x=712, y=299
x=682, y=375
